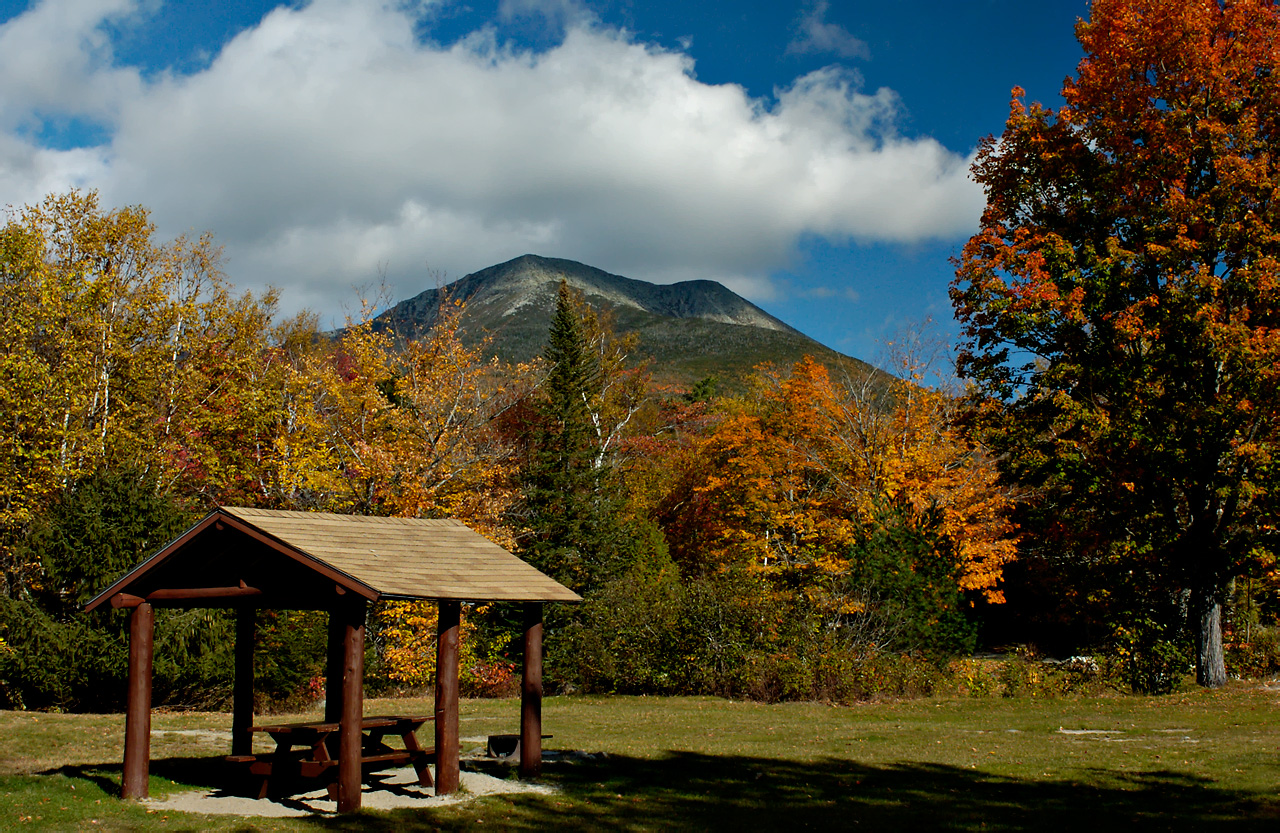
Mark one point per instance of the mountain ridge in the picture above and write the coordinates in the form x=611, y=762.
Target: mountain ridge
x=690, y=329
x=704, y=299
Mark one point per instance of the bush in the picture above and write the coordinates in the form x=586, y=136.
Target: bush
x=886, y=674
x=60, y=657
x=975, y=677
x=60, y=665
x=730, y=635
x=908, y=572
x=289, y=658
x=1152, y=658
x=1257, y=658
x=625, y=637
x=80, y=665
x=496, y=678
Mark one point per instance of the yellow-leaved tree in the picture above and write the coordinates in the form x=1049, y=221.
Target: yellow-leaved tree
x=377, y=425
x=104, y=335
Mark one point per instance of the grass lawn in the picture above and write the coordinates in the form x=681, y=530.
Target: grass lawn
x=1197, y=760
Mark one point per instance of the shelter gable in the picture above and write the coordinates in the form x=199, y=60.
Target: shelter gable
x=306, y=560
x=228, y=557
x=410, y=558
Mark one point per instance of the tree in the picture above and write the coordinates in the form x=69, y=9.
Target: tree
x=574, y=523
x=117, y=350
x=407, y=430
x=87, y=537
x=797, y=482
x=94, y=532
x=1121, y=304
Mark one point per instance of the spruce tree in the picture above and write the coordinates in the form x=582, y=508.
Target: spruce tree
x=572, y=527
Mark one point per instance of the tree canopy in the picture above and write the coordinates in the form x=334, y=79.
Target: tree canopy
x=1121, y=308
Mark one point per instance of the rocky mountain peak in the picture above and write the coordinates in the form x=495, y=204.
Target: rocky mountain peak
x=529, y=282
x=689, y=329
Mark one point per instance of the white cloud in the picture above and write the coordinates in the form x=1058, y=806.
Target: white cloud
x=329, y=142
x=815, y=35
x=832, y=293
x=29, y=172
x=56, y=61
x=558, y=13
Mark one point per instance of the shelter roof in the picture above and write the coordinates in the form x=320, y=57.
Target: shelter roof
x=307, y=559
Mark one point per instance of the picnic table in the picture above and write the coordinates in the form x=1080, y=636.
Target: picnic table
x=309, y=751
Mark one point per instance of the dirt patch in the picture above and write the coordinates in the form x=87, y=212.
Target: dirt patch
x=394, y=790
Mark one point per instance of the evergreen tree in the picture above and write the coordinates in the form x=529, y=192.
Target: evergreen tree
x=87, y=537
x=572, y=523
x=91, y=534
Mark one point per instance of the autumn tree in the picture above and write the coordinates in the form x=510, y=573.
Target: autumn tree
x=118, y=349
x=378, y=426
x=132, y=378
x=1121, y=306
x=856, y=494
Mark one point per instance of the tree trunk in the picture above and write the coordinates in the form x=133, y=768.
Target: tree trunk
x=1211, y=669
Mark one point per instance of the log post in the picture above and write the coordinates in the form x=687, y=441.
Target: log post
x=350, y=737
x=447, y=620
x=242, y=694
x=137, y=722
x=333, y=667
x=531, y=694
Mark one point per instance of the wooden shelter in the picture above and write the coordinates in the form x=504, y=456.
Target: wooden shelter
x=249, y=559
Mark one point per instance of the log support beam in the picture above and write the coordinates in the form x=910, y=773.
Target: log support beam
x=447, y=772
x=137, y=722
x=350, y=737
x=242, y=693
x=531, y=694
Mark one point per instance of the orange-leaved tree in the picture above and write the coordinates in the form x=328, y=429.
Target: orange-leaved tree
x=1121, y=312
x=794, y=476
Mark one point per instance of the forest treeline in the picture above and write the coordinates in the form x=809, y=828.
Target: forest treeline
x=1107, y=483
x=815, y=537
x=752, y=544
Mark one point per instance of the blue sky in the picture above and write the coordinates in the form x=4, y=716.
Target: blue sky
x=812, y=156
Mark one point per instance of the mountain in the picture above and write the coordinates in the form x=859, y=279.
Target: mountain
x=691, y=329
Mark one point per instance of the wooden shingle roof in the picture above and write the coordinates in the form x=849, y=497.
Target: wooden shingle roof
x=410, y=557
x=300, y=559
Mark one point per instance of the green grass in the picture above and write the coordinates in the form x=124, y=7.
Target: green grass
x=1193, y=761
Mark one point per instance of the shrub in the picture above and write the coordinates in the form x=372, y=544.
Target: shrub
x=1152, y=656
x=908, y=572
x=496, y=678
x=974, y=677
x=1259, y=657
x=626, y=637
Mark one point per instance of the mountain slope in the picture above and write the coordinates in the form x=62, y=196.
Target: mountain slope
x=691, y=329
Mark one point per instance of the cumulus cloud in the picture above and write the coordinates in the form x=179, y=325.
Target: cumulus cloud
x=815, y=35
x=56, y=62
x=330, y=143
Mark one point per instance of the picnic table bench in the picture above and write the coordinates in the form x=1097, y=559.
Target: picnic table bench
x=309, y=751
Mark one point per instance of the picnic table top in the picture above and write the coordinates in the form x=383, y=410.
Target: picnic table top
x=376, y=721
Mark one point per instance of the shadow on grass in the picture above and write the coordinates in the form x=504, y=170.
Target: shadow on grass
x=207, y=772
x=716, y=792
